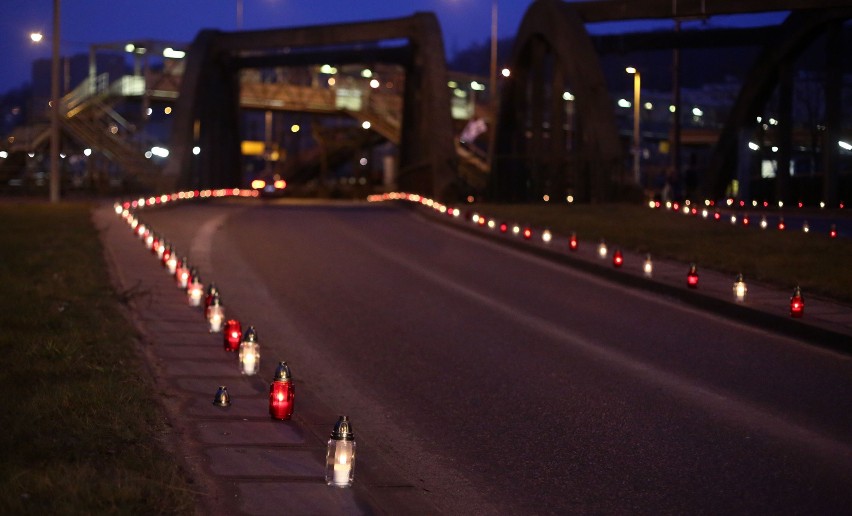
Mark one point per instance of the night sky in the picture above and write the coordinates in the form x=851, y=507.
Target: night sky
x=84, y=22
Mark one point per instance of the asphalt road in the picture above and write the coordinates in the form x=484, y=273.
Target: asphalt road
x=502, y=383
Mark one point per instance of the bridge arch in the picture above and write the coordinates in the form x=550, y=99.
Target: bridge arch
x=795, y=34
x=556, y=131
x=207, y=109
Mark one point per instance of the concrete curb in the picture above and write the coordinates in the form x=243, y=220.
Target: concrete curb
x=834, y=333
x=241, y=460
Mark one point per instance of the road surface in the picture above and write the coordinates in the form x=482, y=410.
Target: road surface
x=502, y=383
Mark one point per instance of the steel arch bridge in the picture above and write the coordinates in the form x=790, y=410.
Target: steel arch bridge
x=549, y=145
x=207, y=110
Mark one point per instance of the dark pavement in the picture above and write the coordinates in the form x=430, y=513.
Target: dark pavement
x=481, y=379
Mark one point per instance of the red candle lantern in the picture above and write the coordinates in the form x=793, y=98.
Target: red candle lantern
x=281, y=393
x=832, y=232
x=617, y=258
x=797, y=303
x=527, y=233
x=504, y=227
x=233, y=335
x=692, y=276
x=193, y=272
x=572, y=242
x=167, y=253
x=212, y=291
x=781, y=224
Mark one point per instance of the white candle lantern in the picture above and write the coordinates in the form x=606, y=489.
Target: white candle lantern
x=602, y=250
x=195, y=291
x=215, y=314
x=171, y=263
x=340, y=456
x=161, y=248
x=648, y=266
x=249, y=353
x=740, y=289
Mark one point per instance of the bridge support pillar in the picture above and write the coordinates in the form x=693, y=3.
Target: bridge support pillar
x=833, y=114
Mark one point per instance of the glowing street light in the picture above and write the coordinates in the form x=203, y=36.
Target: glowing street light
x=637, y=86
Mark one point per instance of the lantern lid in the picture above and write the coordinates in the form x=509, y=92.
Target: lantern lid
x=739, y=278
x=693, y=268
x=222, y=398
x=343, y=430
x=282, y=373
x=250, y=335
x=214, y=300
x=797, y=292
x=212, y=289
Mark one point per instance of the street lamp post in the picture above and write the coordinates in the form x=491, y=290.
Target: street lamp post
x=637, y=84
x=493, y=68
x=54, y=109
x=494, y=99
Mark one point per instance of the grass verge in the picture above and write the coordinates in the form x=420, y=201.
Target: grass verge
x=819, y=264
x=81, y=428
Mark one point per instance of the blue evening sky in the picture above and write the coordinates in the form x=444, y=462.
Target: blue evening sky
x=85, y=22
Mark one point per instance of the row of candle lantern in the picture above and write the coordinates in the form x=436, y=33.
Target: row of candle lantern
x=739, y=289
x=745, y=220
x=142, y=202
x=742, y=203
x=340, y=455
